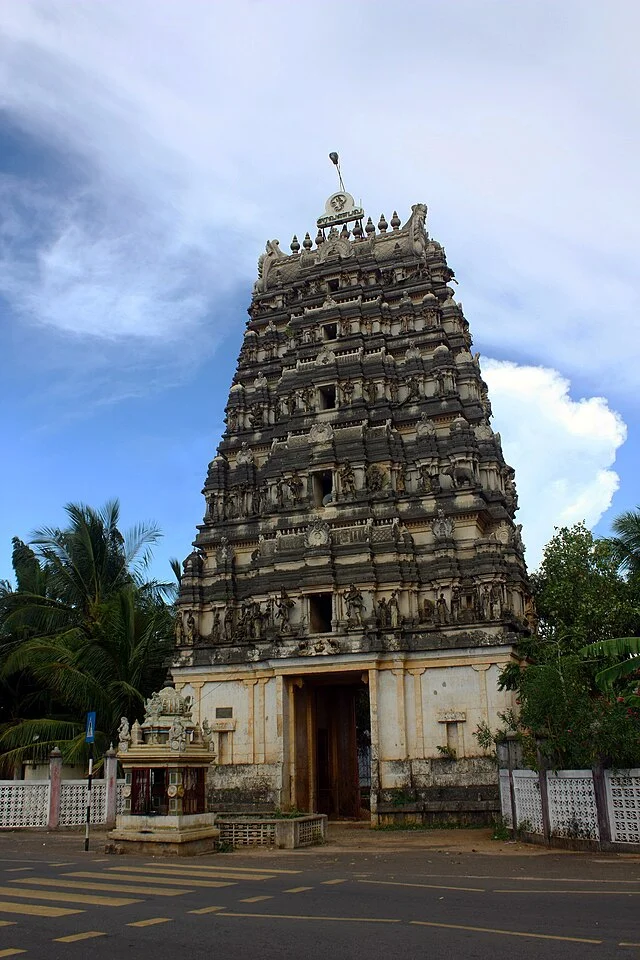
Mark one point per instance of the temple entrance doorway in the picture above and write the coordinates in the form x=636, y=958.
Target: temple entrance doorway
x=331, y=755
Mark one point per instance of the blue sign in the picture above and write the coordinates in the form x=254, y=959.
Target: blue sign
x=90, y=731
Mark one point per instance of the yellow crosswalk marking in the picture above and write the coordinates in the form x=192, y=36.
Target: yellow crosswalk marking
x=150, y=922
x=298, y=889
x=211, y=866
x=17, y=869
x=255, y=899
x=67, y=897
x=110, y=887
x=328, y=883
x=79, y=936
x=206, y=910
x=11, y=952
x=174, y=881
x=7, y=923
x=188, y=872
x=36, y=909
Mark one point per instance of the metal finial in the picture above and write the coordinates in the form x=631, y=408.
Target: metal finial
x=335, y=159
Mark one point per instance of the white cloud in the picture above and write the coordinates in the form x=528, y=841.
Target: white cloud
x=562, y=449
x=202, y=129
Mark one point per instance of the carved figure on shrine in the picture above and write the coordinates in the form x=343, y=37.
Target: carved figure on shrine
x=355, y=604
x=347, y=479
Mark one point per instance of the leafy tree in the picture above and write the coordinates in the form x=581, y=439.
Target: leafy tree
x=583, y=603
x=82, y=630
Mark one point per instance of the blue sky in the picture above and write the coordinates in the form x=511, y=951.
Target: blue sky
x=148, y=151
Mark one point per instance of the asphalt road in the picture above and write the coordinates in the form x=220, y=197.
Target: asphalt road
x=316, y=906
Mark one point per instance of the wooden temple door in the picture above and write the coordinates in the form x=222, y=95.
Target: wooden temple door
x=337, y=784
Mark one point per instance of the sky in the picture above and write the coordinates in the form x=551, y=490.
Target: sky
x=149, y=150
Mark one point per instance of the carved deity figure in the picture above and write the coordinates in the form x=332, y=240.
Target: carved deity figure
x=207, y=734
x=228, y=622
x=179, y=630
x=280, y=491
x=284, y=605
x=347, y=389
x=152, y=707
x=442, y=609
x=393, y=391
x=401, y=477
x=393, y=611
x=424, y=479
x=191, y=628
x=347, y=479
x=428, y=610
x=216, y=627
x=414, y=389
x=305, y=396
x=374, y=478
x=355, y=604
x=177, y=735
x=442, y=526
x=369, y=392
x=496, y=601
x=255, y=415
x=455, y=603
x=295, y=484
x=382, y=612
x=124, y=736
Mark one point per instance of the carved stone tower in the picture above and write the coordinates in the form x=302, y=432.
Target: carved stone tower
x=358, y=581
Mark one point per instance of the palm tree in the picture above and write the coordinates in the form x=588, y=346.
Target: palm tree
x=84, y=630
x=625, y=544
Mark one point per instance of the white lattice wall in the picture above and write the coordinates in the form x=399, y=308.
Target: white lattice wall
x=73, y=802
x=623, y=801
x=310, y=832
x=572, y=804
x=120, y=798
x=528, y=803
x=505, y=798
x=24, y=804
x=247, y=833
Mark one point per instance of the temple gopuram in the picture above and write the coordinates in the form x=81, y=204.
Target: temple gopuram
x=358, y=580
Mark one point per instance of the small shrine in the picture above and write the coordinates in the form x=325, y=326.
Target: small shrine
x=165, y=761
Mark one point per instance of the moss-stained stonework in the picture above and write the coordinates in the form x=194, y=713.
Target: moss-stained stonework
x=359, y=511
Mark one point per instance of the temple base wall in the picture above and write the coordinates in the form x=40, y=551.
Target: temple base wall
x=423, y=710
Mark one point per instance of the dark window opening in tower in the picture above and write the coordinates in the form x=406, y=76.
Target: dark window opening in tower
x=330, y=331
x=322, y=487
x=320, y=612
x=333, y=285
x=327, y=397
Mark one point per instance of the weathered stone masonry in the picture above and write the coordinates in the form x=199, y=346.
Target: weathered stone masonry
x=359, y=531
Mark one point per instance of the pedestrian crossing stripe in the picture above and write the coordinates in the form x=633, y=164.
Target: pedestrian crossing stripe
x=36, y=909
x=73, y=937
x=188, y=872
x=107, y=887
x=83, y=898
x=175, y=881
x=207, y=866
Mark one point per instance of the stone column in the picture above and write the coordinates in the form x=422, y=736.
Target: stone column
x=250, y=685
x=375, y=742
x=401, y=712
x=55, y=781
x=416, y=673
x=111, y=784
